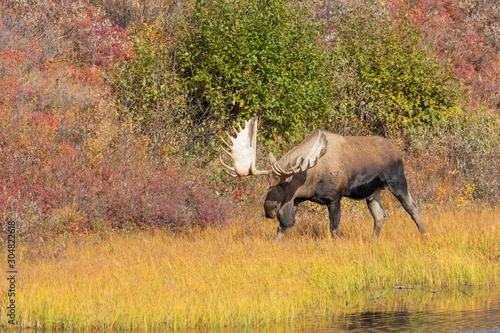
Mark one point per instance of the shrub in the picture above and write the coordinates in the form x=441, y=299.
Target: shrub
x=468, y=33
x=149, y=91
x=238, y=59
x=66, y=163
x=243, y=58
x=74, y=31
x=129, y=13
x=165, y=197
x=387, y=78
x=47, y=185
x=458, y=161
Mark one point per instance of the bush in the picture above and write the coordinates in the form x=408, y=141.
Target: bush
x=76, y=32
x=458, y=161
x=243, y=58
x=468, y=33
x=60, y=193
x=49, y=185
x=234, y=60
x=66, y=163
x=149, y=91
x=386, y=77
x=129, y=13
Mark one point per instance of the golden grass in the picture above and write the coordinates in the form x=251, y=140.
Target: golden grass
x=238, y=275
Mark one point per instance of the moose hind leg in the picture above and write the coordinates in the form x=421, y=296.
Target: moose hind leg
x=412, y=208
x=403, y=195
x=377, y=212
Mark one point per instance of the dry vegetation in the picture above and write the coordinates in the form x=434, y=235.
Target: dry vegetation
x=119, y=228
x=240, y=277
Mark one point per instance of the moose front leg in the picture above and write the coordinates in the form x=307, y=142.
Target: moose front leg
x=334, y=210
x=280, y=233
x=286, y=217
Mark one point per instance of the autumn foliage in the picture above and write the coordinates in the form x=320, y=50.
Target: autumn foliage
x=466, y=33
x=67, y=164
x=98, y=109
x=111, y=115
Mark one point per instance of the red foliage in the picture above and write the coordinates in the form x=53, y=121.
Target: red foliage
x=63, y=28
x=49, y=54
x=468, y=34
x=39, y=118
x=47, y=175
x=164, y=198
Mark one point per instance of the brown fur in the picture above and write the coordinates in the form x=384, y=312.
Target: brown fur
x=358, y=167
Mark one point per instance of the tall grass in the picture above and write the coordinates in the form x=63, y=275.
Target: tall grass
x=238, y=276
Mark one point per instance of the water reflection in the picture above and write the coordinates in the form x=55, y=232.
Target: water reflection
x=484, y=319
x=464, y=321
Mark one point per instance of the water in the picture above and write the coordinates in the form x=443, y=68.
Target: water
x=476, y=315
x=463, y=321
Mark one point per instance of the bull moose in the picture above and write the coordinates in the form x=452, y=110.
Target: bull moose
x=324, y=168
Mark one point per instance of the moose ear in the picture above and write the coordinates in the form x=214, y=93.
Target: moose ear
x=271, y=158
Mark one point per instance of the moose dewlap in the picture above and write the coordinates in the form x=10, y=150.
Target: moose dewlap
x=324, y=168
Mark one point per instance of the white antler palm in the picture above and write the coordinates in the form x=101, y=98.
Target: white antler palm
x=304, y=161
x=244, y=151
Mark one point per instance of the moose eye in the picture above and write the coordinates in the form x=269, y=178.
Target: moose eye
x=283, y=184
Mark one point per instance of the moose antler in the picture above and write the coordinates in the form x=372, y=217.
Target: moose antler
x=302, y=161
x=244, y=151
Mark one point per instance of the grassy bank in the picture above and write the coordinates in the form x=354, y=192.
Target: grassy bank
x=238, y=275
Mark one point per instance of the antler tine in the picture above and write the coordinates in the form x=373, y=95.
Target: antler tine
x=275, y=169
x=225, y=165
x=310, y=165
x=230, y=174
x=225, y=142
x=295, y=170
x=283, y=173
x=316, y=159
x=230, y=154
x=243, y=150
x=278, y=170
x=255, y=171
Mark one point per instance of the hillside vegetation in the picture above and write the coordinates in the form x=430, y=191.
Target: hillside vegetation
x=111, y=115
x=111, y=111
